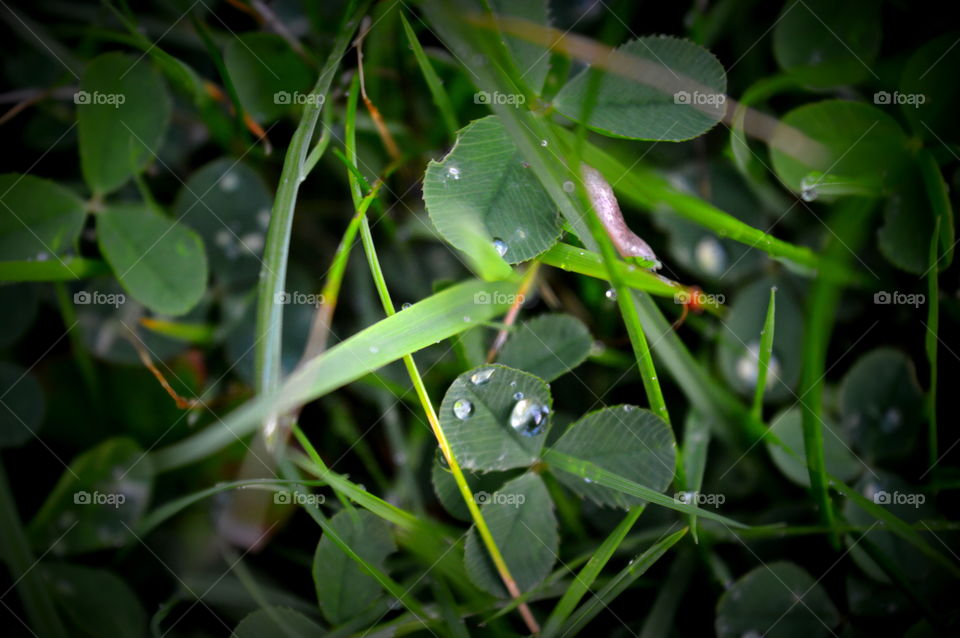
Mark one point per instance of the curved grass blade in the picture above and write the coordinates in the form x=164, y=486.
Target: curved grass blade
x=433, y=319
x=600, y=476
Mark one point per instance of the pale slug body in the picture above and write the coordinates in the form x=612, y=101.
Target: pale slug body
x=627, y=242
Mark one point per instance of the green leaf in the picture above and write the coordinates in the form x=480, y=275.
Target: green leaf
x=21, y=405
x=483, y=187
x=628, y=441
x=926, y=94
x=423, y=324
x=839, y=459
x=777, y=600
x=38, y=218
x=881, y=404
x=96, y=601
x=228, y=204
x=904, y=237
x=667, y=89
x=826, y=43
x=548, y=346
x=104, y=492
x=738, y=348
x=496, y=418
x=532, y=60
x=851, y=147
x=445, y=487
x=122, y=114
x=268, y=75
x=277, y=621
x=521, y=519
x=159, y=262
x=344, y=589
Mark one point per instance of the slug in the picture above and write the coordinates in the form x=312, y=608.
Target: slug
x=628, y=243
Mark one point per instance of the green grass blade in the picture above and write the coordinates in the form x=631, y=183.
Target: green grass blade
x=585, y=578
x=766, y=350
x=693, y=456
x=847, y=227
x=939, y=196
x=660, y=620
x=619, y=584
x=439, y=94
x=274, y=272
x=438, y=317
x=600, y=476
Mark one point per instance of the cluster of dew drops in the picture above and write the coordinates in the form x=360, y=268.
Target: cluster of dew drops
x=527, y=418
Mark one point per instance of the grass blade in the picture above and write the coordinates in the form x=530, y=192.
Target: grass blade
x=433, y=319
x=600, y=476
x=440, y=97
x=619, y=584
x=59, y=269
x=766, y=350
x=582, y=581
x=930, y=343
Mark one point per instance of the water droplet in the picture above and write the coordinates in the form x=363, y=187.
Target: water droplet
x=253, y=242
x=517, y=396
x=229, y=182
x=587, y=480
x=501, y=246
x=710, y=255
x=528, y=417
x=441, y=459
x=597, y=348
x=374, y=349
x=611, y=294
x=481, y=376
x=568, y=186
x=42, y=256
x=525, y=164
x=453, y=172
x=808, y=186
x=543, y=143
x=223, y=237
x=405, y=306
x=462, y=409
x=521, y=233
x=263, y=218
x=466, y=318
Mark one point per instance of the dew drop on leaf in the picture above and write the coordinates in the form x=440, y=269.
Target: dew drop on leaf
x=462, y=409
x=528, y=417
x=481, y=376
x=517, y=396
x=501, y=246
x=611, y=294
x=568, y=186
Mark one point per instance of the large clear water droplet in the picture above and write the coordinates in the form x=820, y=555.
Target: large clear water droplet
x=481, y=376
x=528, y=417
x=462, y=409
x=501, y=246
